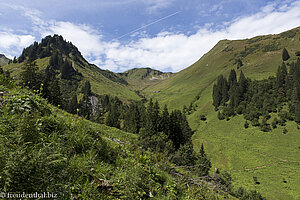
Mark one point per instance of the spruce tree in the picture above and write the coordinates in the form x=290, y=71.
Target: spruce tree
x=232, y=80
x=243, y=86
x=67, y=70
x=203, y=162
x=220, y=92
x=297, y=112
x=150, y=124
x=239, y=63
x=55, y=94
x=113, y=117
x=285, y=54
x=29, y=76
x=234, y=95
x=73, y=105
x=217, y=96
x=165, y=121
x=85, y=104
x=86, y=89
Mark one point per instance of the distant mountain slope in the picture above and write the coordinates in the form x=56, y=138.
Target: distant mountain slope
x=102, y=82
x=271, y=158
x=140, y=78
x=260, y=57
x=3, y=60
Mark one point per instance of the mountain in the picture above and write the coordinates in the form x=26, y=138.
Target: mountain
x=140, y=78
x=260, y=57
x=270, y=159
x=3, y=60
x=79, y=159
x=56, y=48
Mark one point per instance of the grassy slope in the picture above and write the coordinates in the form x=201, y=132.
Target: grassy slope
x=136, y=82
x=100, y=84
x=132, y=175
x=268, y=156
x=182, y=87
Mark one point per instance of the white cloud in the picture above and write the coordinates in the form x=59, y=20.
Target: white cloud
x=84, y=37
x=166, y=51
x=178, y=51
x=155, y=5
x=11, y=44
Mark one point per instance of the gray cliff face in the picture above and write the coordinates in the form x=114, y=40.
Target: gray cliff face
x=3, y=60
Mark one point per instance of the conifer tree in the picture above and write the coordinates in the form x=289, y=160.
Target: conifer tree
x=239, y=63
x=217, y=96
x=67, y=70
x=85, y=104
x=132, y=121
x=113, y=117
x=243, y=86
x=73, y=105
x=14, y=60
x=285, y=54
x=51, y=88
x=165, y=121
x=30, y=76
x=232, y=80
x=203, y=162
x=56, y=96
x=150, y=125
x=234, y=95
x=297, y=112
x=281, y=77
x=86, y=89
x=220, y=92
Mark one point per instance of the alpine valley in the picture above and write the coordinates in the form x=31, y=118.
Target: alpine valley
x=226, y=127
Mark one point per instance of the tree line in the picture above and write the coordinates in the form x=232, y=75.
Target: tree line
x=257, y=99
x=158, y=130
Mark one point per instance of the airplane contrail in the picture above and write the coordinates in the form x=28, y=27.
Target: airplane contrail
x=147, y=25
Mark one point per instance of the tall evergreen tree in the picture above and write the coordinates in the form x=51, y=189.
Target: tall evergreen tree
x=232, y=80
x=51, y=87
x=220, y=91
x=30, y=76
x=243, y=86
x=86, y=89
x=234, y=93
x=165, y=121
x=150, y=124
x=67, y=70
x=73, y=105
x=217, y=96
x=285, y=54
x=203, y=162
x=85, y=104
x=112, y=118
x=133, y=119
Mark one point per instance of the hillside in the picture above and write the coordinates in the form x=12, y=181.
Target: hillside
x=260, y=57
x=141, y=78
x=272, y=159
x=101, y=82
x=3, y=60
x=44, y=148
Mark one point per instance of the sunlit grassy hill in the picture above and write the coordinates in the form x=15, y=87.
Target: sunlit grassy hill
x=260, y=57
x=102, y=82
x=273, y=158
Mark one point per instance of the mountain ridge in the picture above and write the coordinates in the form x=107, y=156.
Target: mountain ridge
x=4, y=60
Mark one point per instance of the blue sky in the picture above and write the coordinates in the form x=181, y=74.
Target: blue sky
x=168, y=35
